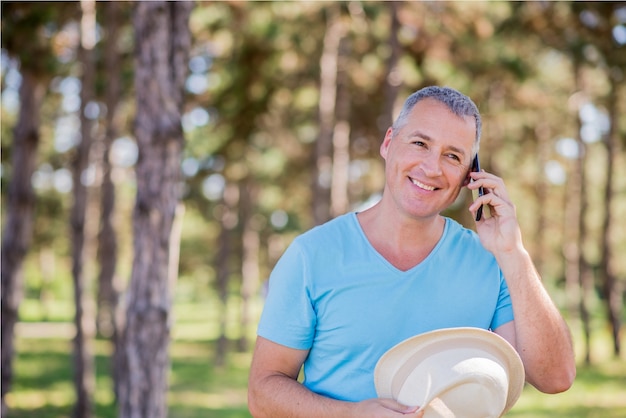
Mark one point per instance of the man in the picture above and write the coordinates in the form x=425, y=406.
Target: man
x=347, y=291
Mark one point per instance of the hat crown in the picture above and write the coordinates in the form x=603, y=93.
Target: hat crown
x=476, y=385
x=462, y=372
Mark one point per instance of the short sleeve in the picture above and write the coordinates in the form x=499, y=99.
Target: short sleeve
x=288, y=316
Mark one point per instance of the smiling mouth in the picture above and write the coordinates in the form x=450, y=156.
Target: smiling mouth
x=422, y=185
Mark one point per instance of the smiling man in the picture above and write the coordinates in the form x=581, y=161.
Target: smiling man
x=347, y=291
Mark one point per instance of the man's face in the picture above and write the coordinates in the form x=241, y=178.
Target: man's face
x=428, y=159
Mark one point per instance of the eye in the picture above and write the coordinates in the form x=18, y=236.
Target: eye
x=454, y=157
x=419, y=143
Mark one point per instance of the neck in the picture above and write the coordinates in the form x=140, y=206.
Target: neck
x=401, y=240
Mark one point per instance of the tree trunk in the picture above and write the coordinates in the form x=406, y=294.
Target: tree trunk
x=339, y=199
x=18, y=228
x=610, y=285
x=108, y=292
x=228, y=223
x=322, y=166
x=339, y=196
x=571, y=249
x=393, y=80
x=543, y=135
x=583, y=273
x=578, y=278
x=161, y=54
x=251, y=244
x=84, y=379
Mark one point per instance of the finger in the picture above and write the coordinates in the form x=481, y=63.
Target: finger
x=413, y=411
x=493, y=187
x=397, y=406
x=489, y=182
x=497, y=205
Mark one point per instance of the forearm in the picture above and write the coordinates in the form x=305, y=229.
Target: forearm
x=277, y=396
x=542, y=337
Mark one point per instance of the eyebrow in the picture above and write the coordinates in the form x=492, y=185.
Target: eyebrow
x=420, y=134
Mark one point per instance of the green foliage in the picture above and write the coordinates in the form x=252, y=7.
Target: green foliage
x=27, y=29
x=517, y=60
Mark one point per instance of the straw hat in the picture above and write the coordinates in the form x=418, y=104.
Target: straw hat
x=454, y=372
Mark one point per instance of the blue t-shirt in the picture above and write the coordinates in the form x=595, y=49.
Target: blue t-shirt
x=332, y=293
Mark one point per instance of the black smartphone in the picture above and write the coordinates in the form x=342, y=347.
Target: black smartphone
x=481, y=191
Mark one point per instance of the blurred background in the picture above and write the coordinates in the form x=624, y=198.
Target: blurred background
x=285, y=105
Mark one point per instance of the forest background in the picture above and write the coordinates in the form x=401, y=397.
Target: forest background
x=249, y=123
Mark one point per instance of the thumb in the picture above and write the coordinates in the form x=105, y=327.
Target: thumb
x=411, y=410
x=398, y=407
x=414, y=411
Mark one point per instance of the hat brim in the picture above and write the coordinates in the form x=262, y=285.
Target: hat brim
x=397, y=363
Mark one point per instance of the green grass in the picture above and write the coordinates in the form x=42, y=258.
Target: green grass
x=42, y=386
x=598, y=392
x=43, y=381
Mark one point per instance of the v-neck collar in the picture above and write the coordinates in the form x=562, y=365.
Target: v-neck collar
x=389, y=265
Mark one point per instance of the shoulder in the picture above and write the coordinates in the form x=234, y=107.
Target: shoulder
x=323, y=242
x=461, y=250
x=461, y=238
x=317, y=249
x=329, y=232
x=457, y=230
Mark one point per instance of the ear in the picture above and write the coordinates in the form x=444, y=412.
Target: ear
x=384, y=147
x=471, y=168
x=468, y=179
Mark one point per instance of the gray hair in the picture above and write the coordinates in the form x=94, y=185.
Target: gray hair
x=457, y=102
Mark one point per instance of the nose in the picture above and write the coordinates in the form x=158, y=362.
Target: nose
x=431, y=165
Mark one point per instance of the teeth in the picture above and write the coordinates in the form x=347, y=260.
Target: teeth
x=422, y=185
